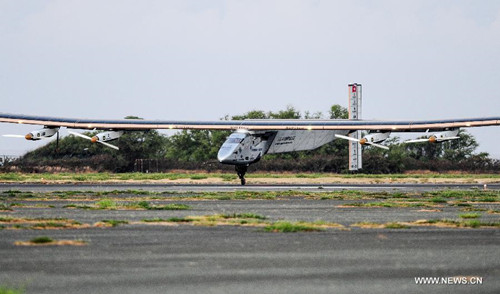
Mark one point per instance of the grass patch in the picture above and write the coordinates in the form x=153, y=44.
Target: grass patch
x=396, y=226
x=433, y=222
x=473, y=223
x=244, y=215
x=11, y=177
x=44, y=240
x=125, y=192
x=488, y=199
x=470, y=215
x=110, y=204
x=6, y=219
x=198, y=177
x=247, y=219
x=147, y=206
x=12, y=192
x=289, y=227
x=309, y=176
x=386, y=204
x=44, y=225
x=172, y=219
x=179, y=220
x=154, y=220
x=141, y=205
x=106, y=204
x=78, y=206
x=17, y=194
x=115, y=222
x=9, y=290
x=228, y=177
x=41, y=240
x=5, y=206
x=144, y=204
x=40, y=223
x=438, y=200
x=381, y=204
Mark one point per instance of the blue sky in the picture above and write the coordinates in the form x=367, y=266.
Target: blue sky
x=201, y=60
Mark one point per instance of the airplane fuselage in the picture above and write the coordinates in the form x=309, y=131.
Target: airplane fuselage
x=245, y=148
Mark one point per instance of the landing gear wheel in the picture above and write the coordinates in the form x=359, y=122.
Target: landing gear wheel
x=241, y=170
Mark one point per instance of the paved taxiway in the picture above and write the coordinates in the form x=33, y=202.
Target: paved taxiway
x=232, y=187
x=140, y=258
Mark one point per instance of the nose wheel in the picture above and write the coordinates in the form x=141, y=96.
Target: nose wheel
x=241, y=170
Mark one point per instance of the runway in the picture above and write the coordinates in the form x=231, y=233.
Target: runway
x=140, y=257
x=233, y=187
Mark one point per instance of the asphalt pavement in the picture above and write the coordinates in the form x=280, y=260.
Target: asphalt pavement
x=143, y=258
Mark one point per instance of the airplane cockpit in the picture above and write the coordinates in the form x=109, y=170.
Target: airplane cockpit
x=242, y=149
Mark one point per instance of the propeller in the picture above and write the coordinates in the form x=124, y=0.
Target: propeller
x=29, y=136
x=362, y=141
x=431, y=139
x=89, y=138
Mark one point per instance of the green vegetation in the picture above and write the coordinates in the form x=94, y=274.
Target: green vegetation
x=114, y=222
x=172, y=219
x=438, y=200
x=124, y=192
x=39, y=223
x=470, y=215
x=5, y=206
x=462, y=223
x=248, y=219
x=472, y=224
x=9, y=290
x=147, y=206
x=244, y=215
x=144, y=204
x=179, y=220
x=41, y=240
x=396, y=226
x=78, y=206
x=432, y=222
x=386, y=204
x=50, y=225
x=106, y=204
x=229, y=176
x=290, y=227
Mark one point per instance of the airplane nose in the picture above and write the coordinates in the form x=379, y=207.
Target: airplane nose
x=28, y=136
x=94, y=139
x=224, y=154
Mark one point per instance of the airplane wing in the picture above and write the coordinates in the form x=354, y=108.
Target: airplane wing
x=252, y=125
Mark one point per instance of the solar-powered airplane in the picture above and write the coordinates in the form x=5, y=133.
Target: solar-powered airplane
x=252, y=139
